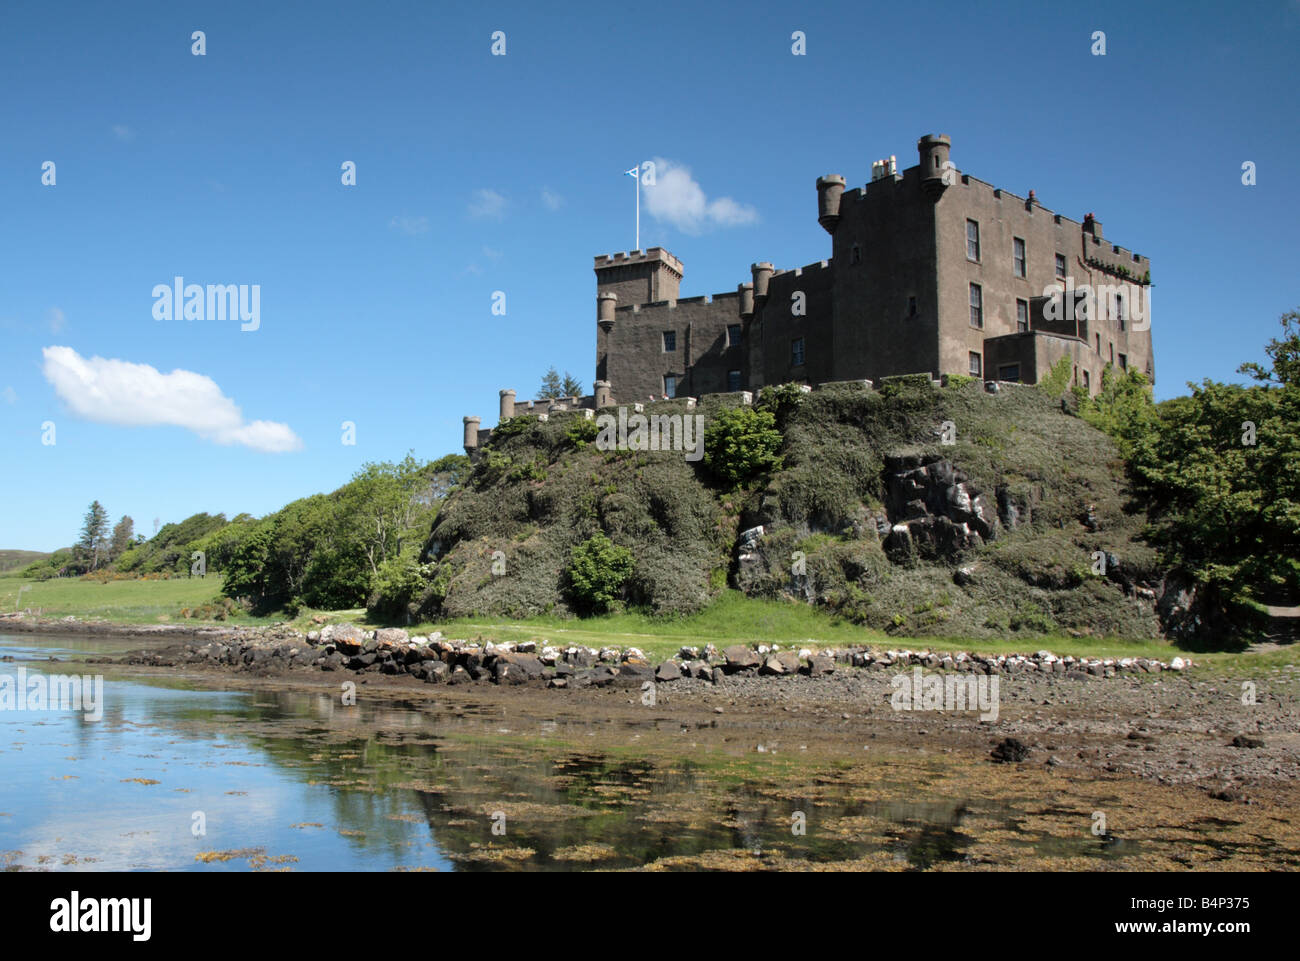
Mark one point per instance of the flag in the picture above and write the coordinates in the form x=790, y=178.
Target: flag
x=635, y=171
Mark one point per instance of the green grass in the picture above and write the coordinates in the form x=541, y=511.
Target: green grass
x=123, y=602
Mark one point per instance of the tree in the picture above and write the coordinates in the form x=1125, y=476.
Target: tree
x=741, y=443
x=598, y=569
x=123, y=535
x=1285, y=355
x=554, y=386
x=94, y=530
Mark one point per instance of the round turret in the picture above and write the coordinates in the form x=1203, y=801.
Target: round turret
x=606, y=301
x=746, y=292
x=604, y=394
x=762, y=275
x=471, y=433
x=933, y=150
x=507, y=404
x=829, y=190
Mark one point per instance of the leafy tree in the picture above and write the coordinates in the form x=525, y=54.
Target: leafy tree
x=598, y=570
x=123, y=535
x=741, y=443
x=94, y=535
x=1058, y=379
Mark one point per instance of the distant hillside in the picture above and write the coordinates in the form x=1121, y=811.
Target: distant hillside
x=871, y=515
x=12, y=560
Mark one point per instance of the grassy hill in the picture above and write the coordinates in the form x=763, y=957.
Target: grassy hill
x=12, y=560
x=999, y=529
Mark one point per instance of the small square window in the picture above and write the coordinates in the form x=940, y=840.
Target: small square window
x=733, y=380
x=977, y=306
x=972, y=240
x=1018, y=256
x=1022, y=316
x=670, y=341
x=976, y=365
x=670, y=385
x=796, y=352
x=733, y=335
x=1060, y=266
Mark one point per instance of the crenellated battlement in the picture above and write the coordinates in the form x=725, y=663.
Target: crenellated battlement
x=652, y=255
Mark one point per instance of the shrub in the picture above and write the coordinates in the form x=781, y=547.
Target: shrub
x=598, y=569
x=741, y=443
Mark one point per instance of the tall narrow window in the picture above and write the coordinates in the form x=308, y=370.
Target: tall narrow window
x=1022, y=316
x=796, y=352
x=1018, y=256
x=733, y=335
x=1123, y=362
x=976, y=306
x=1087, y=381
x=972, y=240
x=670, y=341
x=1060, y=266
x=976, y=365
x=670, y=385
x=733, y=380
x=1119, y=312
x=911, y=306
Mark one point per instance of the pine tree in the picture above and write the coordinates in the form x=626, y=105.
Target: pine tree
x=94, y=531
x=551, y=386
x=123, y=535
x=572, y=386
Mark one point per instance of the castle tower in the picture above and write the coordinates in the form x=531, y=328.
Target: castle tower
x=933, y=149
x=641, y=277
x=606, y=301
x=829, y=191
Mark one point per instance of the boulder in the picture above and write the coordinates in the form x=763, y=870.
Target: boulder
x=741, y=658
x=668, y=671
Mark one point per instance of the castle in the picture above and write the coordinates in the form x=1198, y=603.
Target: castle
x=931, y=271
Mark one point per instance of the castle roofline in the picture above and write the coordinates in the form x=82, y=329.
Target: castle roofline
x=652, y=255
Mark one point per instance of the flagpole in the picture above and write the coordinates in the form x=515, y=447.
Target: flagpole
x=636, y=185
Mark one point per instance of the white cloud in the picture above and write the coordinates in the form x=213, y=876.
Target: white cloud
x=551, y=199
x=56, y=320
x=123, y=133
x=410, y=225
x=487, y=205
x=137, y=395
x=10, y=395
x=676, y=198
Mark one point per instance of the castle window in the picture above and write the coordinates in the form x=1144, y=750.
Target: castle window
x=1018, y=256
x=1119, y=311
x=733, y=335
x=670, y=341
x=976, y=365
x=1087, y=381
x=796, y=352
x=911, y=306
x=1123, y=362
x=972, y=241
x=1112, y=352
x=1009, y=373
x=1099, y=345
x=1060, y=266
x=977, y=306
x=856, y=255
x=733, y=380
x=1022, y=316
x=670, y=385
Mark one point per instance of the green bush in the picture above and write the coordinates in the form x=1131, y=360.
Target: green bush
x=741, y=443
x=598, y=569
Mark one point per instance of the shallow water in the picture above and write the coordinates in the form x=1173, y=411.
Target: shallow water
x=298, y=780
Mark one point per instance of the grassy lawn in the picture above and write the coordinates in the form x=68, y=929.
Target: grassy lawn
x=732, y=619
x=124, y=602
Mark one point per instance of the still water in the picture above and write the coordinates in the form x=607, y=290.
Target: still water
x=177, y=777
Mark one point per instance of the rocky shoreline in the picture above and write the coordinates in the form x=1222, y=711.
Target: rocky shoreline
x=437, y=660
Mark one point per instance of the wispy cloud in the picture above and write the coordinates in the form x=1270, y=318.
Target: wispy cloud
x=677, y=199
x=491, y=253
x=123, y=133
x=487, y=205
x=110, y=391
x=410, y=225
x=10, y=395
x=56, y=320
x=551, y=199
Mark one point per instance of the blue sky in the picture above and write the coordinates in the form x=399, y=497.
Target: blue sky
x=478, y=173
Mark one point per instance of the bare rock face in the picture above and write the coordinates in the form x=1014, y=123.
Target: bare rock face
x=935, y=510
